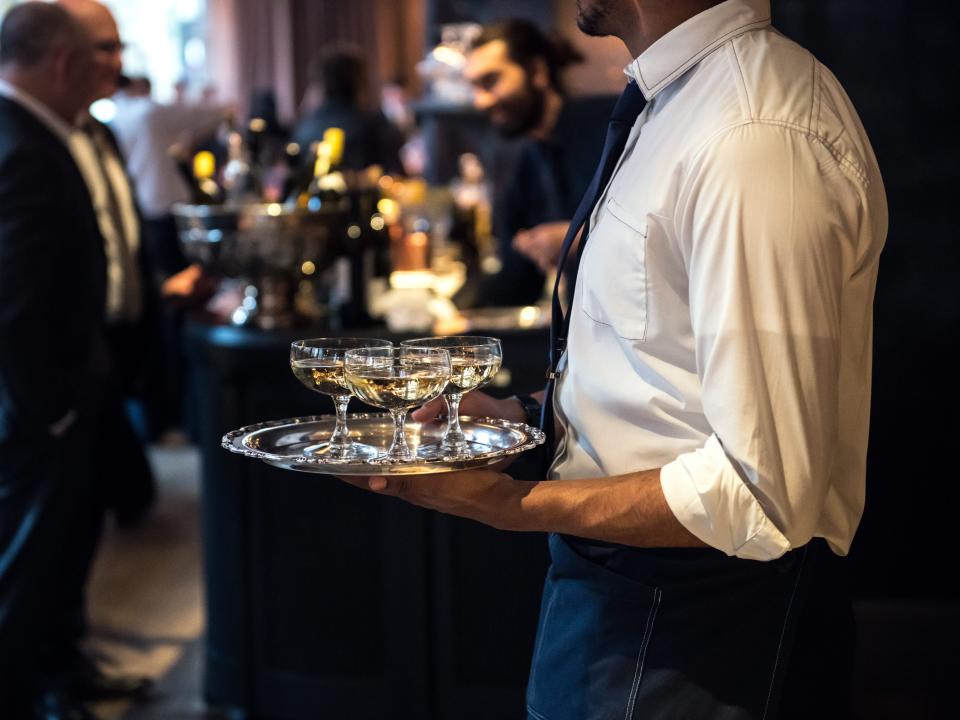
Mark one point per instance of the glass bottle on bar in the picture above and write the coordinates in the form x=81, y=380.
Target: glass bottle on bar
x=328, y=185
x=204, y=190
x=410, y=247
x=240, y=181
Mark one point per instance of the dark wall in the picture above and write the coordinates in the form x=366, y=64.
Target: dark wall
x=484, y=11
x=897, y=61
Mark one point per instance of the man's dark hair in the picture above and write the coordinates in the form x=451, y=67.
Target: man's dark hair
x=526, y=42
x=31, y=31
x=341, y=72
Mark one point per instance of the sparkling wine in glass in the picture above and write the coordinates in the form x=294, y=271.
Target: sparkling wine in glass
x=318, y=364
x=397, y=379
x=474, y=361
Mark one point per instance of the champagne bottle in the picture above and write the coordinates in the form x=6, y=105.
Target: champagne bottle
x=203, y=188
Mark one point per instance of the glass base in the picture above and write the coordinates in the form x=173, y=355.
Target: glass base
x=440, y=449
x=353, y=451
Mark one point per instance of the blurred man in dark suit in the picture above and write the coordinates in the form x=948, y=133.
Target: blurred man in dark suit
x=56, y=367
x=53, y=358
x=132, y=312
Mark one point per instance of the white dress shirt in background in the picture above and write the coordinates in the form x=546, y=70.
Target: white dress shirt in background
x=722, y=323
x=146, y=130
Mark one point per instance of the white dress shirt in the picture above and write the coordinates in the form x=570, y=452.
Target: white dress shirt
x=102, y=179
x=722, y=323
x=146, y=131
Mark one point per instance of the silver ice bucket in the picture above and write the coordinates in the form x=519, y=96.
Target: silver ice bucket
x=282, y=257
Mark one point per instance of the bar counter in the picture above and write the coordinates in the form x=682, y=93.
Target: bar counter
x=326, y=601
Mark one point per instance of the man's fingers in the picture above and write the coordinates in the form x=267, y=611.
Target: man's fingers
x=431, y=410
x=376, y=483
x=394, y=485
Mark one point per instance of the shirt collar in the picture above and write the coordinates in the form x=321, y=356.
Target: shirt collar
x=688, y=43
x=41, y=112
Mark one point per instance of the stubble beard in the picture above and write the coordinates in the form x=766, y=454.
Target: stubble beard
x=592, y=19
x=524, y=112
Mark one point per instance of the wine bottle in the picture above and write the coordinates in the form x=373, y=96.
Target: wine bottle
x=203, y=188
x=328, y=183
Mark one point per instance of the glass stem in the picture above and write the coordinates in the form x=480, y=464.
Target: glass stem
x=398, y=448
x=340, y=438
x=454, y=436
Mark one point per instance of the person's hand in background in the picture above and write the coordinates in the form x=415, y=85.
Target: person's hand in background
x=542, y=243
x=188, y=287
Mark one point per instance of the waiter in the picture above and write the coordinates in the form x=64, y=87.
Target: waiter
x=712, y=386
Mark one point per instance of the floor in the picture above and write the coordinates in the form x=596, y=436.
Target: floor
x=145, y=596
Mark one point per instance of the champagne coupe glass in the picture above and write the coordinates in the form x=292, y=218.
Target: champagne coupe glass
x=397, y=379
x=474, y=360
x=318, y=364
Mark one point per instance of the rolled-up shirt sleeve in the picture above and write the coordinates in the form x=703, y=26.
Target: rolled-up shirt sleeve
x=766, y=231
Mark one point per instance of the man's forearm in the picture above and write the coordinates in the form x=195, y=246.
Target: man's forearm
x=627, y=509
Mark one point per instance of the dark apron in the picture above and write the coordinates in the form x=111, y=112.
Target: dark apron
x=689, y=634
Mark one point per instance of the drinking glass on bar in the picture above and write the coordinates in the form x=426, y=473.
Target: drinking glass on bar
x=474, y=361
x=318, y=364
x=397, y=379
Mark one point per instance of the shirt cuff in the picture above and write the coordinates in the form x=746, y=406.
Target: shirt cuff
x=711, y=500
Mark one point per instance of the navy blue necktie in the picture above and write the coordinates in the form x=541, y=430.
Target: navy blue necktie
x=625, y=113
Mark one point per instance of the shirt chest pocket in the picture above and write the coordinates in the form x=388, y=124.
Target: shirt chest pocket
x=614, y=272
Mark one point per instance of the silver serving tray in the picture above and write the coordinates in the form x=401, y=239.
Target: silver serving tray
x=281, y=443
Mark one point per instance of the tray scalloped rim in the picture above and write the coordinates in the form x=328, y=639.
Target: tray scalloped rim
x=233, y=441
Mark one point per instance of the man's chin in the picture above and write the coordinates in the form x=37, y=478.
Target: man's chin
x=591, y=19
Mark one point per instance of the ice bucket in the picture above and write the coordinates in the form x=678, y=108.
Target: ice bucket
x=282, y=257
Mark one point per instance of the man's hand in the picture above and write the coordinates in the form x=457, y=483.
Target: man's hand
x=474, y=404
x=483, y=495
x=628, y=509
x=542, y=244
x=189, y=286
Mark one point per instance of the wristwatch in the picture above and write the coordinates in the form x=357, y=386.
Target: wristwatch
x=531, y=408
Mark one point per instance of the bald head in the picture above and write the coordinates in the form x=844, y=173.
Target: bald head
x=35, y=32
x=102, y=30
x=46, y=53
x=86, y=10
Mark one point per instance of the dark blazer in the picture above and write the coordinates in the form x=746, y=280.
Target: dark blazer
x=53, y=359
x=52, y=278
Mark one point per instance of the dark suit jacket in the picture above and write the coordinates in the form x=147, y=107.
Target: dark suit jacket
x=53, y=359
x=140, y=356
x=52, y=279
